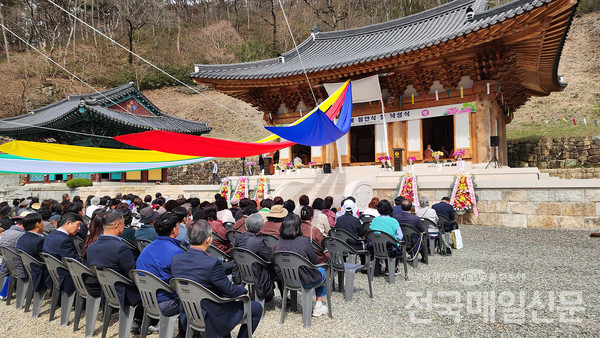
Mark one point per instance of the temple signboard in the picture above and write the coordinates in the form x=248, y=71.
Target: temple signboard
x=414, y=114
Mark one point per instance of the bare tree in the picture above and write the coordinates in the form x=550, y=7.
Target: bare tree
x=330, y=12
x=4, y=34
x=270, y=6
x=137, y=14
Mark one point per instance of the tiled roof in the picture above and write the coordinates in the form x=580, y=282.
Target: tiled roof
x=337, y=49
x=69, y=108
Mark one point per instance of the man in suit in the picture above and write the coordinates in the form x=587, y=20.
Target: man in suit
x=263, y=276
x=32, y=242
x=197, y=265
x=398, y=205
x=59, y=243
x=443, y=208
x=407, y=219
x=156, y=259
x=9, y=240
x=109, y=251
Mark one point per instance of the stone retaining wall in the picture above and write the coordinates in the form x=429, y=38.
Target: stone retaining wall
x=552, y=153
x=201, y=173
x=528, y=208
x=586, y=173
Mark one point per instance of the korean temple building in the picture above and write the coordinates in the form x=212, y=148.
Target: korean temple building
x=117, y=111
x=450, y=76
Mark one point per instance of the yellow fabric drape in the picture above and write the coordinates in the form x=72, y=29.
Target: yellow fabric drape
x=69, y=153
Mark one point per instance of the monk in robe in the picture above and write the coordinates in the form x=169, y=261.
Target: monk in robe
x=427, y=154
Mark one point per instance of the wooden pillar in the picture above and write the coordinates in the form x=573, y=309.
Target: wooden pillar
x=482, y=123
x=144, y=177
x=123, y=175
x=503, y=149
x=164, y=175
x=331, y=155
x=398, y=137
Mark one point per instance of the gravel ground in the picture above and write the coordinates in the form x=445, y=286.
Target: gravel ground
x=510, y=282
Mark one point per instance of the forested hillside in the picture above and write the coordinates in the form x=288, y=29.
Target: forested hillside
x=175, y=34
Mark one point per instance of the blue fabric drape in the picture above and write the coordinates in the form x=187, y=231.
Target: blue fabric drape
x=318, y=129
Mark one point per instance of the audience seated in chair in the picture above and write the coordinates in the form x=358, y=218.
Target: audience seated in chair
x=156, y=259
x=197, y=265
x=408, y=219
x=9, y=240
x=32, y=242
x=264, y=278
x=313, y=233
x=210, y=215
x=388, y=224
x=292, y=239
x=425, y=211
x=320, y=220
x=274, y=218
x=351, y=224
x=59, y=243
x=146, y=230
x=443, y=208
x=109, y=251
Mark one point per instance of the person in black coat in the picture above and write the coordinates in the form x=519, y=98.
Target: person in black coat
x=263, y=277
x=408, y=219
x=353, y=225
x=32, y=243
x=291, y=239
x=5, y=221
x=197, y=265
x=109, y=251
x=59, y=243
x=443, y=208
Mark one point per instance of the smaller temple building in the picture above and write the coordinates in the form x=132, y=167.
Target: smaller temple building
x=76, y=119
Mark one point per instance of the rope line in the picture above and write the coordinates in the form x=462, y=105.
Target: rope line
x=152, y=65
x=298, y=53
x=73, y=75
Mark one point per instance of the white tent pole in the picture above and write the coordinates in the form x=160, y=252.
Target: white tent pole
x=339, y=154
x=387, y=147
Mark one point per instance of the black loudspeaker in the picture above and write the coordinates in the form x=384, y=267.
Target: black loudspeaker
x=327, y=168
x=494, y=141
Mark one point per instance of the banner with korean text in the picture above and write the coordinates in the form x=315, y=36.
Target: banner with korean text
x=414, y=114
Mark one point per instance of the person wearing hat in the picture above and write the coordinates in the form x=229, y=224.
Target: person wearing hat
x=351, y=224
x=24, y=206
x=234, y=206
x=5, y=221
x=274, y=218
x=146, y=230
x=94, y=204
x=36, y=206
x=265, y=208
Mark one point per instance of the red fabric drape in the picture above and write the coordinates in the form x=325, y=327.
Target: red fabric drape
x=184, y=144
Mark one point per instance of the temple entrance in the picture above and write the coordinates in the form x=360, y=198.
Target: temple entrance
x=362, y=143
x=439, y=133
x=301, y=151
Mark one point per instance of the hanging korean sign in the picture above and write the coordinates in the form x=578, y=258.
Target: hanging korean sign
x=414, y=114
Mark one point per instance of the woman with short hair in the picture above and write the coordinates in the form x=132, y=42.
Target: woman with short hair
x=372, y=208
x=425, y=211
x=292, y=240
x=210, y=215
